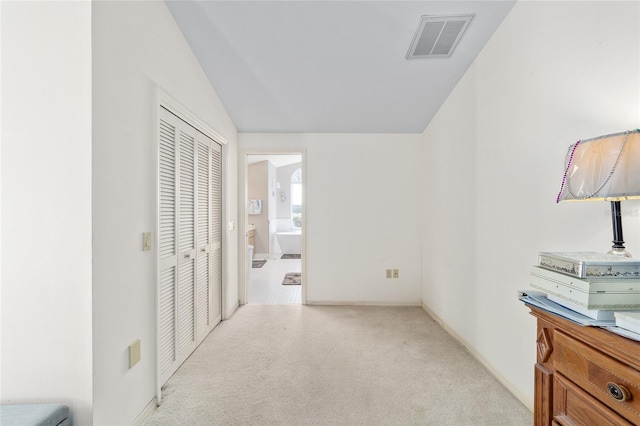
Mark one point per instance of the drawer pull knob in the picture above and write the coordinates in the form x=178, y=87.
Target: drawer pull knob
x=618, y=392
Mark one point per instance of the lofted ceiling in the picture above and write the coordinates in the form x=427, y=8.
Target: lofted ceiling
x=329, y=66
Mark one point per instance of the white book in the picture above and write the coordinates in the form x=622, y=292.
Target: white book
x=628, y=321
x=596, y=314
x=590, y=294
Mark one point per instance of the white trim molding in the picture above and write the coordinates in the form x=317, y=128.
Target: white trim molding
x=243, y=171
x=146, y=413
x=361, y=303
x=185, y=114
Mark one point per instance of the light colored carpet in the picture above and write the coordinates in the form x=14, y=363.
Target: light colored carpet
x=334, y=365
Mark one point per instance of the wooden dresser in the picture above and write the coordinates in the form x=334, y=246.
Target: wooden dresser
x=584, y=375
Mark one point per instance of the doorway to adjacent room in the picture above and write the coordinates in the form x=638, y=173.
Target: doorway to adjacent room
x=274, y=228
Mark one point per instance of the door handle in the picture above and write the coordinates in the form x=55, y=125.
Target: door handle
x=187, y=256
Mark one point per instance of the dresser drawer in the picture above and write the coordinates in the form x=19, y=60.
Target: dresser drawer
x=613, y=383
x=572, y=407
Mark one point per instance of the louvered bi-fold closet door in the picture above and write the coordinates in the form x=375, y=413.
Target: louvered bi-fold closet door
x=216, y=233
x=209, y=261
x=185, y=298
x=167, y=245
x=189, y=260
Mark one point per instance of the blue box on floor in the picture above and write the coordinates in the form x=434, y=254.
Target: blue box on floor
x=34, y=415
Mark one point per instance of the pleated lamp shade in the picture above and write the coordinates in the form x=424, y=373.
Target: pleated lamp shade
x=603, y=168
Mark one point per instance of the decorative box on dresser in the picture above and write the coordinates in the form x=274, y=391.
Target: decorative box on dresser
x=584, y=376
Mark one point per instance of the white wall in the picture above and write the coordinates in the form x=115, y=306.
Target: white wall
x=46, y=205
x=258, y=189
x=494, y=157
x=137, y=47
x=362, y=213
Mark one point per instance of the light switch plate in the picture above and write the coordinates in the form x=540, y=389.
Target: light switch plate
x=146, y=241
x=134, y=353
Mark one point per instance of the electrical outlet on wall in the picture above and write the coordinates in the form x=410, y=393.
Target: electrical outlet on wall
x=146, y=241
x=396, y=273
x=134, y=353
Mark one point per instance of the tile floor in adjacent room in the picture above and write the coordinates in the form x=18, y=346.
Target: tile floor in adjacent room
x=265, y=285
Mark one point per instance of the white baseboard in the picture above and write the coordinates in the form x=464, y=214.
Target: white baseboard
x=527, y=403
x=146, y=413
x=360, y=303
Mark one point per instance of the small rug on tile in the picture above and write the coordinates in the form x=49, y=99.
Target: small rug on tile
x=290, y=256
x=258, y=263
x=292, y=278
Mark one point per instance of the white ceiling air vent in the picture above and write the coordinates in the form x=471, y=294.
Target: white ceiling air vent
x=437, y=36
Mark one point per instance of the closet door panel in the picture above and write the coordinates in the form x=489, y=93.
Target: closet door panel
x=167, y=171
x=186, y=294
x=167, y=319
x=167, y=246
x=186, y=232
x=216, y=195
x=204, y=306
x=204, y=185
x=216, y=232
x=216, y=285
x=186, y=309
x=203, y=321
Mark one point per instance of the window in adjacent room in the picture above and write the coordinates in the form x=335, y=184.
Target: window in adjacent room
x=296, y=199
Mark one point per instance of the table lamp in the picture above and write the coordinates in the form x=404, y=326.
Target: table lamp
x=605, y=168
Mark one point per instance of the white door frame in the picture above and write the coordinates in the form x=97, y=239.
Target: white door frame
x=243, y=254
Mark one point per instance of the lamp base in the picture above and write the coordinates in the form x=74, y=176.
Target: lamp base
x=618, y=241
x=619, y=251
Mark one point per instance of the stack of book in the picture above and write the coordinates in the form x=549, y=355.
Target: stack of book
x=593, y=284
